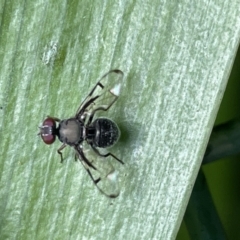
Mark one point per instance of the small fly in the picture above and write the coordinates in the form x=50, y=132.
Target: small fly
x=87, y=135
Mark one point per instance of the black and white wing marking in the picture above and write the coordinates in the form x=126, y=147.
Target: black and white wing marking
x=102, y=96
x=100, y=170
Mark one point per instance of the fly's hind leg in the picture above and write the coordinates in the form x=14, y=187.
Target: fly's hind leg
x=106, y=155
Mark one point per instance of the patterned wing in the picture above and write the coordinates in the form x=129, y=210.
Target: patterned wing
x=102, y=96
x=100, y=170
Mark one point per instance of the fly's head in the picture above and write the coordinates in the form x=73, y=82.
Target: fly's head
x=48, y=130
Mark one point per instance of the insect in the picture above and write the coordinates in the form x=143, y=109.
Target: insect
x=88, y=135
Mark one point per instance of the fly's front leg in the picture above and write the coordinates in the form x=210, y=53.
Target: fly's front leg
x=60, y=151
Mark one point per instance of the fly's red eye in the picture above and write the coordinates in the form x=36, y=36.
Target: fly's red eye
x=49, y=122
x=48, y=139
x=47, y=131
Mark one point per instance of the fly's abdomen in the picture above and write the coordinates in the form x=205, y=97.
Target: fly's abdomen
x=107, y=132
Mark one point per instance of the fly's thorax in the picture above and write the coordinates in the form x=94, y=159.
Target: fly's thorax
x=106, y=132
x=71, y=131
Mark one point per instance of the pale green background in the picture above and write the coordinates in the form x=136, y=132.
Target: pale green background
x=176, y=57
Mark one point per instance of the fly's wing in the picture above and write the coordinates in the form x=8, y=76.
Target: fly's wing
x=102, y=96
x=100, y=170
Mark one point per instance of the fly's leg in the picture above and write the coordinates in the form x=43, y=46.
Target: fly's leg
x=86, y=163
x=89, y=102
x=88, y=166
x=60, y=151
x=100, y=108
x=106, y=155
x=89, y=121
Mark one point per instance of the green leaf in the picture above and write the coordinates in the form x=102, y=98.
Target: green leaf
x=176, y=57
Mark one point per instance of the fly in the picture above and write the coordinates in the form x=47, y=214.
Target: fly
x=89, y=135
